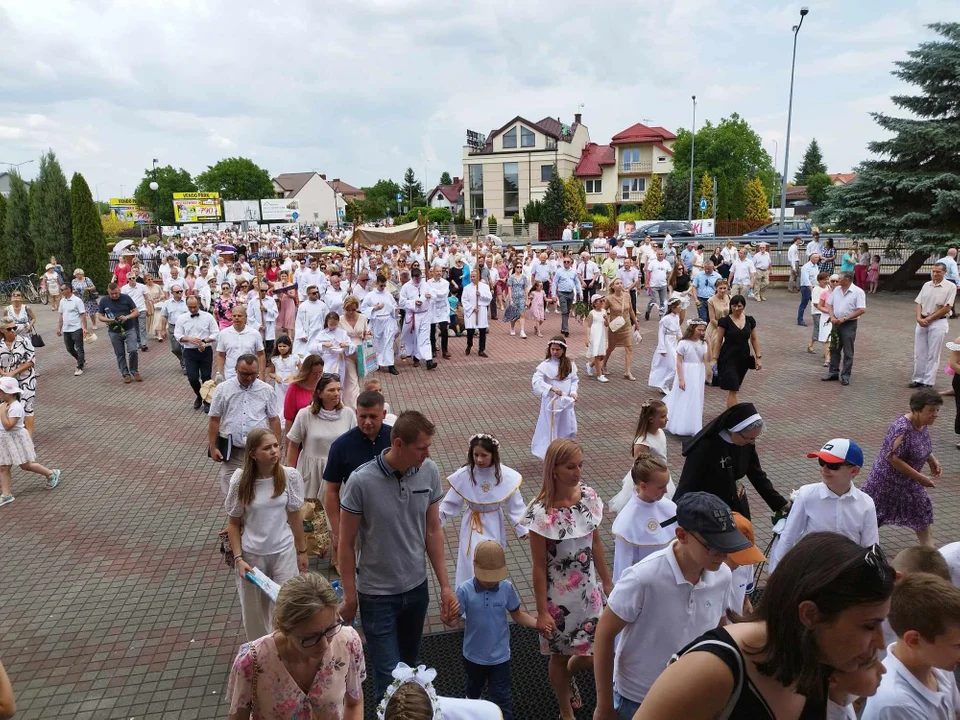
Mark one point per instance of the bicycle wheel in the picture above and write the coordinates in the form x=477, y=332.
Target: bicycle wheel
x=30, y=293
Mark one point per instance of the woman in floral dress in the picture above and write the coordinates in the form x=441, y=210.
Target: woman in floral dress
x=517, y=286
x=896, y=482
x=84, y=288
x=570, y=573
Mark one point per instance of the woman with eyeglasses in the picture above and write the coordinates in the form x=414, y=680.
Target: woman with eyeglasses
x=264, y=525
x=822, y=611
x=223, y=306
x=310, y=666
x=18, y=361
x=517, y=286
x=897, y=482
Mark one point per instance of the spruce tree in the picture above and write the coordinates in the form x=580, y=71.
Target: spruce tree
x=812, y=164
x=445, y=178
x=910, y=194
x=56, y=229
x=89, y=242
x=652, y=206
x=412, y=190
x=675, y=196
x=37, y=217
x=3, y=242
x=552, y=213
x=757, y=208
x=19, y=255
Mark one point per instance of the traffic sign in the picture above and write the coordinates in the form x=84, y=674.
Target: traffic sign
x=703, y=204
x=294, y=214
x=399, y=197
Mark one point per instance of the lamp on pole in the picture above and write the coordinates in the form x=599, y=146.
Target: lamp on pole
x=693, y=143
x=14, y=166
x=786, y=149
x=155, y=186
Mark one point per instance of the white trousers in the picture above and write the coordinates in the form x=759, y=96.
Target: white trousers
x=384, y=332
x=415, y=337
x=927, y=343
x=255, y=606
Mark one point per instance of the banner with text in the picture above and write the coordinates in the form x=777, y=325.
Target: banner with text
x=127, y=210
x=284, y=209
x=191, y=207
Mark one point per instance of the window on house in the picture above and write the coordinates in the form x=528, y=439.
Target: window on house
x=475, y=173
x=662, y=158
x=511, y=189
x=551, y=143
x=510, y=138
x=546, y=172
x=527, y=138
x=593, y=186
x=630, y=155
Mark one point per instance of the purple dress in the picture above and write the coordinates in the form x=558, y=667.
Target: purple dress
x=901, y=500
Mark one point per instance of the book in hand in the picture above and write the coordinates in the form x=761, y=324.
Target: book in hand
x=264, y=583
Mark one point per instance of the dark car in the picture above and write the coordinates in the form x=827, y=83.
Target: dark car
x=659, y=230
x=790, y=227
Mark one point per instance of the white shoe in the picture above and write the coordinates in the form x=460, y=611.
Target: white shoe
x=78, y=371
x=513, y=332
x=523, y=335
x=602, y=378
x=590, y=370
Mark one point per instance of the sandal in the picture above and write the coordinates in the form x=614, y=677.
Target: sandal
x=576, y=702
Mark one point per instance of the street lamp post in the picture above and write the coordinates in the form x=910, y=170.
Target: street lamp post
x=693, y=143
x=14, y=166
x=155, y=186
x=786, y=149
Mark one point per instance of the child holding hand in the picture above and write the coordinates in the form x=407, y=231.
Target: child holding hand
x=16, y=447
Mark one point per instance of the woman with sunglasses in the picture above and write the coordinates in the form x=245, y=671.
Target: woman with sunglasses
x=20, y=314
x=18, y=360
x=822, y=611
x=517, y=286
x=223, y=306
x=310, y=666
x=264, y=525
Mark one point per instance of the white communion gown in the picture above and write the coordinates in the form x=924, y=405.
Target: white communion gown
x=638, y=533
x=663, y=366
x=484, y=505
x=685, y=407
x=657, y=442
x=557, y=416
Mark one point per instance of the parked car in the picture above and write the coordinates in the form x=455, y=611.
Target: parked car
x=658, y=230
x=790, y=227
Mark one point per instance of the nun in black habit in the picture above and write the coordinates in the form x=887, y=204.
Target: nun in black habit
x=724, y=452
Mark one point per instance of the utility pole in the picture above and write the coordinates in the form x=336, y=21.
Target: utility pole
x=693, y=143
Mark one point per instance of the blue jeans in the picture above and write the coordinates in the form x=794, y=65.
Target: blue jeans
x=497, y=680
x=703, y=311
x=805, y=295
x=393, y=626
x=126, y=351
x=625, y=707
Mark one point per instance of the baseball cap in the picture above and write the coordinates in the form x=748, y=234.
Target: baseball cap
x=489, y=563
x=752, y=554
x=710, y=517
x=840, y=450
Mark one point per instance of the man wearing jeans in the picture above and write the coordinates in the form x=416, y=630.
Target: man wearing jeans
x=808, y=279
x=72, y=324
x=119, y=313
x=390, y=512
x=706, y=286
x=568, y=290
x=657, y=273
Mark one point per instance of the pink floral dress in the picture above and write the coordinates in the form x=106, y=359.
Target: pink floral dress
x=575, y=596
x=278, y=695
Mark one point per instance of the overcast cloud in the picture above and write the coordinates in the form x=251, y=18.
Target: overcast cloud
x=362, y=89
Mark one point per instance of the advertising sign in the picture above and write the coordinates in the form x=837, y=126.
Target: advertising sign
x=190, y=207
x=703, y=227
x=241, y=210
x=283, y=209
x=127, y=210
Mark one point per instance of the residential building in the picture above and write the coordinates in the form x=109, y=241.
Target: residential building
x=318, y=201
x=5, y=184
x=447, y=196
x=347, y=192
x=514, y=163
x=842, y=178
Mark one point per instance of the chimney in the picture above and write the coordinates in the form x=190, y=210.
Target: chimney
x=322, y=176
x=456, y=180
x=336, y=180
x=576, y=118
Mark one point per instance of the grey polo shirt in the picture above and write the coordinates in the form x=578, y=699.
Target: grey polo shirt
x=393, y=523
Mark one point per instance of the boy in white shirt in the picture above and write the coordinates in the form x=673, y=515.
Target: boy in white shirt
x=925, y=615
x=834, y=504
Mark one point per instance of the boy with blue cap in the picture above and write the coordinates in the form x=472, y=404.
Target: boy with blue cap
x=834, y=504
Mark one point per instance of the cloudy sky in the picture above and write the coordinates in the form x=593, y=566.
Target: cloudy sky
x=363, y=89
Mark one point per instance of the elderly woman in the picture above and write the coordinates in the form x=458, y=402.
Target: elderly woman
x=311, y=665
x=84, y=289
x=20, y=314
x=18, y=360
x=724, y=452
x=896, y=482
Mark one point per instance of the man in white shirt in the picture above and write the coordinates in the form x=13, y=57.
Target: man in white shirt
x=808, y=280
x=438, y=291
x=196, y=331
x=845, y=304
x=137, y=292
x=362, y=286
x=72, y=324
x=630, y=277
x=741, y=274
x=172, y=309
x=657, y=273
x=416, y=301
x=235, y=341
x=309, y=322
x=312, y=275
x=173, y=278
x=761, y=264
x=933, y=305
x=567, y=235
x=589, y=271
x=793, y=259
x=813, y=247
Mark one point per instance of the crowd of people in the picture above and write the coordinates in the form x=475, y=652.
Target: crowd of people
x=274, y=335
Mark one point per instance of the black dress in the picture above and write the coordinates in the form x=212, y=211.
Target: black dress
x=734, y=359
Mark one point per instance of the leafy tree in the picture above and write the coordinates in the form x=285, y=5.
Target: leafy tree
x=574, y=200
x=440, y=215
x=757, y=207
x=910, y=195
x=413, y=194
x=445, y=178
x=50, y=224
x=19, y=258
x=705, y=192
x=552, y=212
x=533, y=211
x=237, y=179
x=352, y=211
x=812, y=164
x=381, y=200
x=102, y=208
x=652, y=206
x=675, y=196
x=89, y=243
x=818, y=185
x=170, y=181
x=3, y=242
x=415, y=213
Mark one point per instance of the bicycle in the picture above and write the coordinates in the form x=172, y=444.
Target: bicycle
x=34, y=291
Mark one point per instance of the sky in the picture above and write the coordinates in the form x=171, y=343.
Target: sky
x=361, y=90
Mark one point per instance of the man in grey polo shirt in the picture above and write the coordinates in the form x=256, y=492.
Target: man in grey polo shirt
x=390, y=512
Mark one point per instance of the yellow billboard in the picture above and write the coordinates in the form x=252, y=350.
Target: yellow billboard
x=127, y=210
x=192, y=207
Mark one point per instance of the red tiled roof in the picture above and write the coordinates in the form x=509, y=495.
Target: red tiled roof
x=842, y=178
x=592, y=159
x=640, y=133
x=450, y=192
x=796, y=192
x=343, y=188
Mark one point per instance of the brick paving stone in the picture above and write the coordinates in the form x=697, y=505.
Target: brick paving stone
x=116, y=604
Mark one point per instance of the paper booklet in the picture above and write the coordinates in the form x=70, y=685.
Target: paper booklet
x=264, y=583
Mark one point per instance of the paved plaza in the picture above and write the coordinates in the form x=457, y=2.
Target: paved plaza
x=116, y=604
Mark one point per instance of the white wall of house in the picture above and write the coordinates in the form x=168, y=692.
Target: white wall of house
x=317, y=202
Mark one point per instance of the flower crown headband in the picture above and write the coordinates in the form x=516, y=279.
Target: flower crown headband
x=698, y=321
x=484, y=436
x=557, y=342
x=422, y=676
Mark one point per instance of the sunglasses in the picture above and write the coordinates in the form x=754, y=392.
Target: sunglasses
x=831, y=465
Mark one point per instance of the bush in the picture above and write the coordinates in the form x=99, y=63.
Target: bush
x=600, y=210
x=460, y=218
x=628, y=208
x=518, y=219
x=633, y=215
x=492, y=223
x=441, y=216
x=532, y=211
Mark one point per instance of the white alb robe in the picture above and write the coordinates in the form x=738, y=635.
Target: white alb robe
x=383, y=323
x=309, y=322
x=439, y=291
x=476, y=315
x=663, y=365
x=415, y=335
x=334, y=298
x=637, y=531
x=336, y=348
x=557, y=416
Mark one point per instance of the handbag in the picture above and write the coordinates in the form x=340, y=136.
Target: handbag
x=617, y=323
x=37, y=340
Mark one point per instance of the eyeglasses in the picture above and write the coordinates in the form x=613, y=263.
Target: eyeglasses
x=706, y=547
x=831, y=465
x=309, y=642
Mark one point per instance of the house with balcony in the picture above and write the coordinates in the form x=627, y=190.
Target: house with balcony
x=640, y=153
x=512, y=166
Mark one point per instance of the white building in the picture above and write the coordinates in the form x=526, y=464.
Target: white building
x=447, y=196
x=318, y=201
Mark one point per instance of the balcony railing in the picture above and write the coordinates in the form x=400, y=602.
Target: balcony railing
x=631, y=196
x=636, y=167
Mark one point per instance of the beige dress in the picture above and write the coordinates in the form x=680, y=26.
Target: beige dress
x=351, y=384
x=157, y=320
x=721, y=308
x=315, y=435
x=619, y=307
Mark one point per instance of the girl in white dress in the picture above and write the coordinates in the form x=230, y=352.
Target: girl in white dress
x=648, y=439
x=488, y=491
x=283, y=365
x=637, y=530
x=597, y=338
x=16, y=447
x=685, y=399
x=664, y=364
x=334, y=345
x=555, y=382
